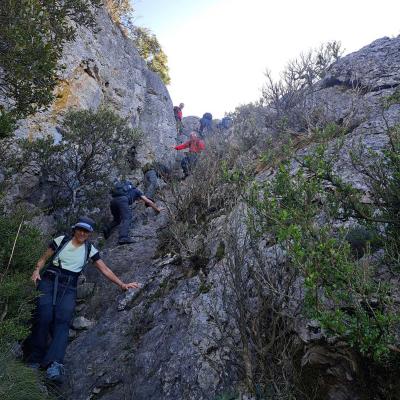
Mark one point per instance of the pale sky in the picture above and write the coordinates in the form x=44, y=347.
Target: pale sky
x=218, y=50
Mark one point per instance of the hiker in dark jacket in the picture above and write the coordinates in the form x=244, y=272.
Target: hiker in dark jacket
x=56, y=303
x=205, y=124
x=123, y=196
x=195, y=146
x=178, y=117
x=153, y=171
x=225, y=123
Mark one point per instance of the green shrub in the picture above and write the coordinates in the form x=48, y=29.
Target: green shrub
x=95, y=146
x=20, y=247
x=17, y=382
x=344, y=295
x=16, y=267
x=394, y=98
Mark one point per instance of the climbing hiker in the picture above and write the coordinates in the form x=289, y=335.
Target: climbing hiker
x=205, y=124
x=57, y=281
x=124, y=193
x=226, y=123
x=178, y=118
x=153, y=171
x=195, y=146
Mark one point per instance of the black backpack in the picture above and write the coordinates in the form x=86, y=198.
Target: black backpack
x=65, y=240
x=121, y=188
x=176, y=111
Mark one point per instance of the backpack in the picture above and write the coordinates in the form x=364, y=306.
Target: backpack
x=65, y=240
x=226, y=122
x=176, y=112
x=121, y=188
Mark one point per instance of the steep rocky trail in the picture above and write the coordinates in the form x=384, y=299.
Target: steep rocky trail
x=147, y=343
x=92, y=357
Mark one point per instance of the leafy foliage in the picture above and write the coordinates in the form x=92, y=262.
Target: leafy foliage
x=17, y=382
x=16, y=267
x=342, y=293
x=32, y=35
x=79, y=168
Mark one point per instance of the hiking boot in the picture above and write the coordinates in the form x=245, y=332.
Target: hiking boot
x=55, y=372
x=126, y=241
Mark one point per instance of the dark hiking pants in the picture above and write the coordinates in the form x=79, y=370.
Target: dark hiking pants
x=122, y=216
x=54, y=311
x=150, y=184
x=188, y=162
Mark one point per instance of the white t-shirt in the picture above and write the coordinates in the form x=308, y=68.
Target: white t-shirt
x=72, y=258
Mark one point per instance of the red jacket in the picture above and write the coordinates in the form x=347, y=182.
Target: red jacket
x=195, y=146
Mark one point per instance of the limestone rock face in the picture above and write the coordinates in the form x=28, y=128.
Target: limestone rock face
x=190, y=124
x=104, y=68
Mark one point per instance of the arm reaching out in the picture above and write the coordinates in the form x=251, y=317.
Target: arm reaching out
x=151, y=204
x=182, y=146
x=102, y=267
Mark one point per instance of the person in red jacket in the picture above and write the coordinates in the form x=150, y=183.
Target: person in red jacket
x=195, y=146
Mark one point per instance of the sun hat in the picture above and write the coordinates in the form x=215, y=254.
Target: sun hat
x=85, y=223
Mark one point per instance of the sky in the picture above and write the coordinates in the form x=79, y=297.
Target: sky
x=218, y=50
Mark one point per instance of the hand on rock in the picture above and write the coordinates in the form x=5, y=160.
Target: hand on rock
x=131, y=285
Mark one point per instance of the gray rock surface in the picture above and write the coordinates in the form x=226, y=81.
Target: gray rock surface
x=81, y=323
x=153, y=342
x=105, y=68
x=190, y=124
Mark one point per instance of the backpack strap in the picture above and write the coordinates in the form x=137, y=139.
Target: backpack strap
x=65, y=240
x=88, y=249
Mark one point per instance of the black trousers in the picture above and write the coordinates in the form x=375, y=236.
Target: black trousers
x=122, y=216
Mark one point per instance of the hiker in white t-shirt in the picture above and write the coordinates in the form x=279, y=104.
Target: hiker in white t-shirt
x=56, y=303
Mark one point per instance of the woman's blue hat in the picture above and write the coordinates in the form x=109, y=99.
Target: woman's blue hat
x=85, y=223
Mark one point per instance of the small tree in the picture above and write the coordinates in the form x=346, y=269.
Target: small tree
x=94, y=147
x=288, y=97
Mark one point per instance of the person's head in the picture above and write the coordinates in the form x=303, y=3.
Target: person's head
x=82, y=229
x=193, y=135
x=181, y=106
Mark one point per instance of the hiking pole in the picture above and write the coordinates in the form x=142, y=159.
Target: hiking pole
x=12, y=251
